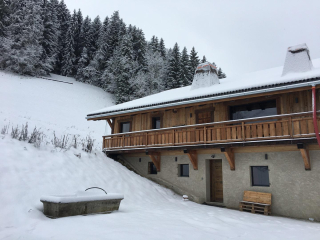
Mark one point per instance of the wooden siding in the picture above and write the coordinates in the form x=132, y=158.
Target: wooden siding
x=286, y=103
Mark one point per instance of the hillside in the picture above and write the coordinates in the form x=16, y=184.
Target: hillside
x=148, y=210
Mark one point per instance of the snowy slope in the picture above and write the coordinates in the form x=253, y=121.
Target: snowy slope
x=51, y=106
x=148, y=210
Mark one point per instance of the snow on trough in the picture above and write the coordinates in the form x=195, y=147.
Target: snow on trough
x=148, y=210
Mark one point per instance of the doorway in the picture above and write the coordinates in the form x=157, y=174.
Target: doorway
x=216, y=183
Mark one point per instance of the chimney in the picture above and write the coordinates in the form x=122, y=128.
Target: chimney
x=297, y=60
x=205, y=76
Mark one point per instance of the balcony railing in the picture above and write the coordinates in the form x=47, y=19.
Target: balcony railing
x=286, y=126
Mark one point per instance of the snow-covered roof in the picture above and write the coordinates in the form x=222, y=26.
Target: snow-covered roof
x=269, y=78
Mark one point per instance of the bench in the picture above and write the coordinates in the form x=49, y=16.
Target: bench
x=256, y=202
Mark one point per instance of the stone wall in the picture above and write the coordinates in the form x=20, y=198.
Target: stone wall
x=295, y=191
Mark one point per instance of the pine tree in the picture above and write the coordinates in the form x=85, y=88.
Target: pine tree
x=85, y=40
x=94, y=36
x=51, y=31
x=186, y=73
x=154, y=43
x=221, y=74
x=118, y=74
x=139, y=49
x=204, y=59
x=4, y=13
x=69, y=58
x=174, y=71
x=21, y=51
x=194, y=60
x=117, y=30
x=82, y=74
x=64, y=19
x=76, y=36
x=162, y=48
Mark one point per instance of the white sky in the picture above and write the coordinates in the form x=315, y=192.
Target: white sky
x=239, y=36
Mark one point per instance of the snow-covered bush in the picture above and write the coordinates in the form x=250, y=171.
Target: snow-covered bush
x=87, y=144
x=24, y=133
x=15, y=132
x=36, y=137
x=5, y=129
x=60, y=142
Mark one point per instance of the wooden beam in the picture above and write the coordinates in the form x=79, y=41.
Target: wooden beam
x=230, y=157
x=193, y=156
x=109, y=122
x=306, y=158
x=156, y=159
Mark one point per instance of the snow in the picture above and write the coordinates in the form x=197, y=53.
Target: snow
x=51, y=106
x=255, y=79
x=298, y=47
x=148, y=211
x=205, y=76
x=81, y=196
x=297, y=60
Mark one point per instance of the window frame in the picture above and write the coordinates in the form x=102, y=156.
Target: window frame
x=252, y=101
x=153, y=116
x=252, y=176
x=124, y=120
x=180, y=168
x=154, y=119
x=151, y=168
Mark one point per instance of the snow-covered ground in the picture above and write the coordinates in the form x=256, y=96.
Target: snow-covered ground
x=148, y=210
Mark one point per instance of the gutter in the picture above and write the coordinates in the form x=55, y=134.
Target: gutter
x=314, y=83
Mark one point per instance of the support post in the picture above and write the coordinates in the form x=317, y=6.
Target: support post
x=306, y=158
x=109, y=122
x=193, y=156
x=230, y=157
x=156, y=159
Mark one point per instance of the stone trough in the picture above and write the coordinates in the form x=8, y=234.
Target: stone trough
x=80, y=203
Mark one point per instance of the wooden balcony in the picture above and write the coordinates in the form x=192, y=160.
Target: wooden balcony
x=278, y=127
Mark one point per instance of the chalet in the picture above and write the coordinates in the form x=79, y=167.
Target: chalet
x=217, y=138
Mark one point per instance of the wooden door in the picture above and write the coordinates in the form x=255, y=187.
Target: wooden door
x=216, y=183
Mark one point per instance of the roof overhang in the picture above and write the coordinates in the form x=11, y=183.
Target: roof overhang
x=265, y=89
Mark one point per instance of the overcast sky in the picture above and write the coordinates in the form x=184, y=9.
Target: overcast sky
x=239, y=36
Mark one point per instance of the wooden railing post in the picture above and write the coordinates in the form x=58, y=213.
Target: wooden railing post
x=290, y=127
x=174, y=136
x=205, y=134
x=146, y=139
x=242, y=129
x=122, y=140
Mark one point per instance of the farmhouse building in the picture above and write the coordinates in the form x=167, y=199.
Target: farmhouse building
x=217, y=138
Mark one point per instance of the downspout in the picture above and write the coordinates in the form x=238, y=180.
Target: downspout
x=314, y=110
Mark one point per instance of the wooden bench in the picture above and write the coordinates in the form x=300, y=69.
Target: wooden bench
x=256, y=202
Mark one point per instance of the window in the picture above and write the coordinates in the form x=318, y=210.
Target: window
x=156, y=123
x=184, y=170
x=260, y=176
x=253, y=110
x=152, y=168
x=125, y=127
